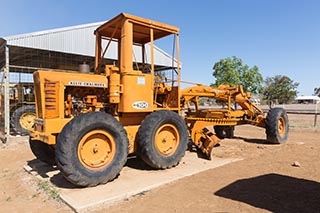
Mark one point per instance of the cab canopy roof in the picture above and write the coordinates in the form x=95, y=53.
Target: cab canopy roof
x=141, y=28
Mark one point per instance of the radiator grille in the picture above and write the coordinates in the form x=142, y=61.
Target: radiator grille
x=51, y=93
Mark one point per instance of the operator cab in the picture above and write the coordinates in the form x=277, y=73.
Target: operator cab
x=135, y=37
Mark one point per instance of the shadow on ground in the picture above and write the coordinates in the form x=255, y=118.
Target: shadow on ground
x=53, y=174
x=253, y=140
x=43, y=169
x=135, y=162
x=275, y=193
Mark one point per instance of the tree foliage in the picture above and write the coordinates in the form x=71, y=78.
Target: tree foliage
x=316, y=91
x=233, y=72
x=280, y=88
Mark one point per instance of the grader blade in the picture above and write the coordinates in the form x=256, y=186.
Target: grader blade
x=211, y=140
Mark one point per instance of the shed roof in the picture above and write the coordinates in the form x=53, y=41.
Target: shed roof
x=79, y=40
x=75, y=39
x=141, y=28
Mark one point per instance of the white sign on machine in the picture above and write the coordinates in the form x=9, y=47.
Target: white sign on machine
x=140, y=105
x=86, y=84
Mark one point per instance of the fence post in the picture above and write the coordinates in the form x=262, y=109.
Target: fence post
x=315, y=116
x=6, y=96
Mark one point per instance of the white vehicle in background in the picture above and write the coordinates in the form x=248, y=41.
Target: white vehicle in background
x=256, y=101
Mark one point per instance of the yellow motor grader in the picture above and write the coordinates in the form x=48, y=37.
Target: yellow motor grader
x=22, y=107
x=88, y=123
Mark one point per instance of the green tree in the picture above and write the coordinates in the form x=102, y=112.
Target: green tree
x=316, y=91
x=280, y=88
x=233, y=72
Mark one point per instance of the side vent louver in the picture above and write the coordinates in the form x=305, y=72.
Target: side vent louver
x=51, y=89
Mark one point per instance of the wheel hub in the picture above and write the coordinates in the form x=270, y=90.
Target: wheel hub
x=167, y=139
x=281, y=126
x=27, y=120
x=96, y=149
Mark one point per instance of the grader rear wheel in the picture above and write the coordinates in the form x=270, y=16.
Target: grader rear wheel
x=92, y=149
x=162, y=139
x=277, y=126
x=96, y=149
x=167, y=139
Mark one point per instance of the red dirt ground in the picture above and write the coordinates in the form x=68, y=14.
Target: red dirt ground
x=271, y=178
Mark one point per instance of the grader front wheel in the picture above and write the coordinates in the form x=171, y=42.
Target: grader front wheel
x=162, y=139
x=92, y=149
x=277, y=126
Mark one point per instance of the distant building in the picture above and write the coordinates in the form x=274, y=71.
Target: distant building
x=308, y=99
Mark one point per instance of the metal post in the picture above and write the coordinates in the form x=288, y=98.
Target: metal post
x=178, y=69
x=6, y=96
x=152, y=56
x=315, y=116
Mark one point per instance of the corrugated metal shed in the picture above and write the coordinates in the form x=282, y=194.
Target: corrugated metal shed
x=79, y=40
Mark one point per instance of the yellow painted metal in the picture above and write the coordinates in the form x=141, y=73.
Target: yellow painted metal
x=27, y=120
x=130, y=91
x=126, y=47
x=46, y=130
x=114, y=86
x=49, y=90
x=201, y=136
x=199, y=119
x=142, y=26
x=47, y=138
x=131, y=123
x=223, y=93
x=178, y=70
x=281, y=126
x=137, y=93
x=128, y=30
x=96, y=149
x=196, y=130
x=152, y=52
x=167, y=139
x=20, y=94
x=97, y=69
x=209, y=140
x=54, y=125
x=132, y=131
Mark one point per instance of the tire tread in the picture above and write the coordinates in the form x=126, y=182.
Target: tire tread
x=71, y=168
x=147, y=150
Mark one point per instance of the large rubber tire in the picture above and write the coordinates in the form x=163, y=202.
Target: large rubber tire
x=224, y=131
x=162, y=139
x=22, y=119
x=42, y=151
x=277, y=126
x=92, y=149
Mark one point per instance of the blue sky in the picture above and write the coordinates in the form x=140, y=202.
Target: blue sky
x=280, y=37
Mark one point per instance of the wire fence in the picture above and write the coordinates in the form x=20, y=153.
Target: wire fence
x=302, y=115
x=1, y=104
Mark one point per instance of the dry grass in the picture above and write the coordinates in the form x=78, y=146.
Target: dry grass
x=303, y=121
